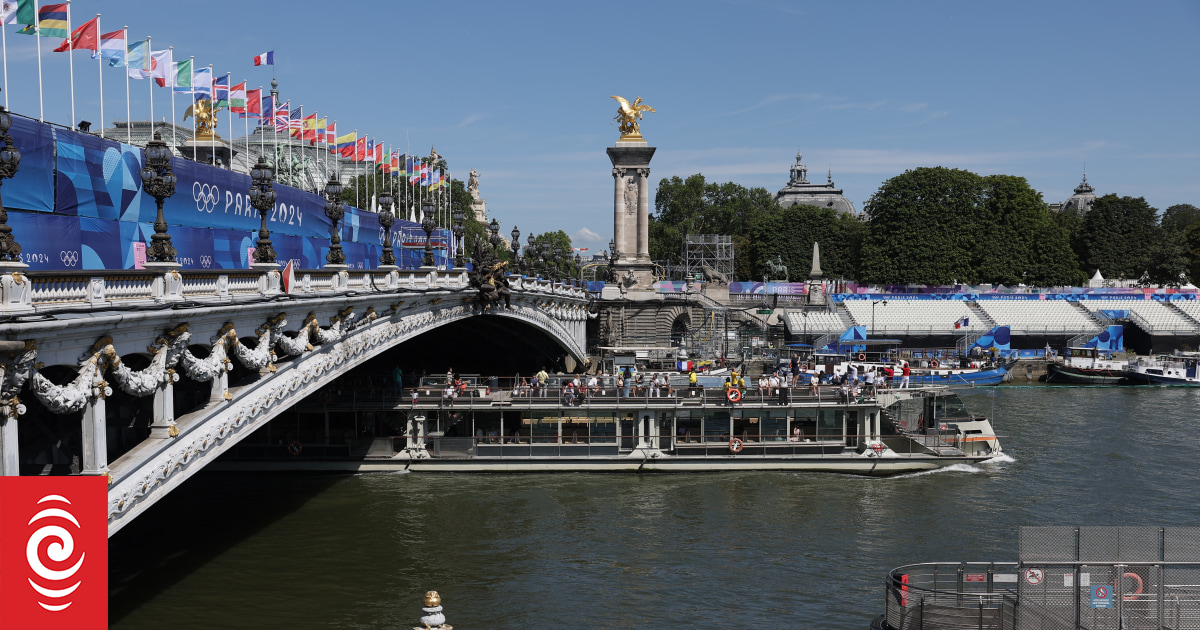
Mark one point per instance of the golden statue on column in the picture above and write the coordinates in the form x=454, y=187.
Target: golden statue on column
x=629, y=115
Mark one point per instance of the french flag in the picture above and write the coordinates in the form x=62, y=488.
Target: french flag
x=265, y=59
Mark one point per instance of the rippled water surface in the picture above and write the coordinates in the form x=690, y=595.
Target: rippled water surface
x=721, y=550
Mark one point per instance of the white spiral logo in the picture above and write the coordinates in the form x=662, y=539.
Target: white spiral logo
x=59, y=551
x=69, y=258
x=205, y=196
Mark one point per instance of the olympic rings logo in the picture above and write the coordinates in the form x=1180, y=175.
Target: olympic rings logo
x=206, y=261
x=206, y=196
x=69, y=258
x=60, y=550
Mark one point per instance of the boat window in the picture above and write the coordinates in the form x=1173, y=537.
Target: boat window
x=543, y=426
x=950, y=407
x=604, y=427
x=687, y=426
x=746, y=424
x=575, y=428
x=773, y=425
x=806, y=421
x=830, y=424
x=716, y=426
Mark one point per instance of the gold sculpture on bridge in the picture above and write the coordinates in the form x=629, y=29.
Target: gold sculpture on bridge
x=206, y=119
x=629, y=115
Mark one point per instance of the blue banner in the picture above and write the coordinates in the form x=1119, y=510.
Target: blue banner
x=32, y=188
x=47, y=242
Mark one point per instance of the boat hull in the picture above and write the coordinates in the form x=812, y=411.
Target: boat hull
x=956, y=377
x=1059, y=373
x=852, y=464
x=1142, y=378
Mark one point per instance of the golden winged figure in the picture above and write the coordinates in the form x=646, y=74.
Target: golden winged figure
x=629, y=115
x=206, y=118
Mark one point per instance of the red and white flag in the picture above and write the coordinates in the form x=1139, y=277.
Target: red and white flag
x=54, y=552
x=289, y=277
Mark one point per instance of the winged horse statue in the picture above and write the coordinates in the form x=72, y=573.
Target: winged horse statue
x=629, y=115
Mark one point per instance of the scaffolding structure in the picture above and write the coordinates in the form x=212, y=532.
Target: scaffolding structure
x=714, y=250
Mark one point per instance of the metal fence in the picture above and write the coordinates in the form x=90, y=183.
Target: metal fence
x=1067, y=578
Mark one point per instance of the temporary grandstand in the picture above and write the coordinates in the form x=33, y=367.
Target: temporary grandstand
x=1040, y=317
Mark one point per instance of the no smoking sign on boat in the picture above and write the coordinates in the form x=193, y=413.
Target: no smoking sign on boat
x=1034, y=576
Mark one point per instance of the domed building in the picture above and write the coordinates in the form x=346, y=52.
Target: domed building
x=799, y=191
x=1082, y=200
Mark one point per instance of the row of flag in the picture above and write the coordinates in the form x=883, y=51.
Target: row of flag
x=141, y=62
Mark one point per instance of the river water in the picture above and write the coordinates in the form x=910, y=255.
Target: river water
x=722, y=550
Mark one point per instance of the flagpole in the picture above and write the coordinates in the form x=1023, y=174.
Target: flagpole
x=150, y=52
x=192, y=100
x=125, y=56
x=174, y=138
x=100, y=69
x=229, y=111
x=4, y=45
x=71, y=61
x=356, y=159
x=37, y=36
x=262, y=136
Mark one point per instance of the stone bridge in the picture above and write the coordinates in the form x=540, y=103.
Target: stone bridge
x=250, y=346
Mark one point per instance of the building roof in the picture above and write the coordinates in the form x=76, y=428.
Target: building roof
x=1082, y=199
x=799, y=191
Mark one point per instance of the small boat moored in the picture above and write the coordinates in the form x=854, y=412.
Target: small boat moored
x=1087, y=366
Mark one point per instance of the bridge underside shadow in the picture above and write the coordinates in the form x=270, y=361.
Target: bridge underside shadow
x=480, y=345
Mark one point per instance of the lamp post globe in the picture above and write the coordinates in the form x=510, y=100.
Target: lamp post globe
x=387, y=258
x=10, y=159
x=262, y=199
x=335, y=209
x=459, y=229
x=159, y=182
x=427, y=224
x=494, y=230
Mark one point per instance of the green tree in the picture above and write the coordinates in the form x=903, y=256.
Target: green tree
x=1120, y=237
x=1020, y=241
x=921, y=228
x=695, y=206
x=1180, y=217
x=791, y=232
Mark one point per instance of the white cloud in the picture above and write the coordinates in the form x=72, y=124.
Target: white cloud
x=585, y=235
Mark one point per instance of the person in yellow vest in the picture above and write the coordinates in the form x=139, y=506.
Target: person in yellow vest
x=742, y=384
x=693, y=384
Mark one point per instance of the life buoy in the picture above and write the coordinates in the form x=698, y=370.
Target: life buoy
x=736, y=446
x=294, y=447
x=933, y=364
x=877, y=447
x=942, y=428
x=862, y=356
x=734, y=394
x=1135, y=577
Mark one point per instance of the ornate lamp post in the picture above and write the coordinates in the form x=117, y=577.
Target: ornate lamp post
x=613, y=255
x=386, y=219
x=494, y=229
x=262, y=197
x=516, y=243
x=530, y=257
x=579, y=265
x=335, y=210
x=10, y=159
x=159, y=182
x=427, y=224
x=459, y=230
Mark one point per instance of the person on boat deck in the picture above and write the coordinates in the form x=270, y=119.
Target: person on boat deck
x=813, y=383
x=449, y=375
x=869, y=381
x=542, y=379
x=593, y=385
x=640, y=384
x=904, y=374
x=569, y=395
x=448, y=395
x=845, y=391
x=795, y=435
x=397, y=381
x=853, y=373
x=741, y=383
x=692, y=384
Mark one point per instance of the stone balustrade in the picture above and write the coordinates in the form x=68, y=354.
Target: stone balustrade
x=44, y=291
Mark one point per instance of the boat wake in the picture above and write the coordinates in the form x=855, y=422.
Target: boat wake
x=984, y=466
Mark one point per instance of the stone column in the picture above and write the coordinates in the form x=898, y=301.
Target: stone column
x=95, y=438
x=164, y=409
x=220, y=383
x=643, y=215
x=10, y=462
x=618, y=203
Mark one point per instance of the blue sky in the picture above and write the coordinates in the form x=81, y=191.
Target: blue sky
x=520, y=91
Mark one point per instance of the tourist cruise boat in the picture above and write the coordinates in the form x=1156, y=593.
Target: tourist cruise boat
x=1088, y=366
x=924, y=370
x=488, y=429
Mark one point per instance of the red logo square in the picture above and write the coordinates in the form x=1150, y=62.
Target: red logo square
x=53, y=553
